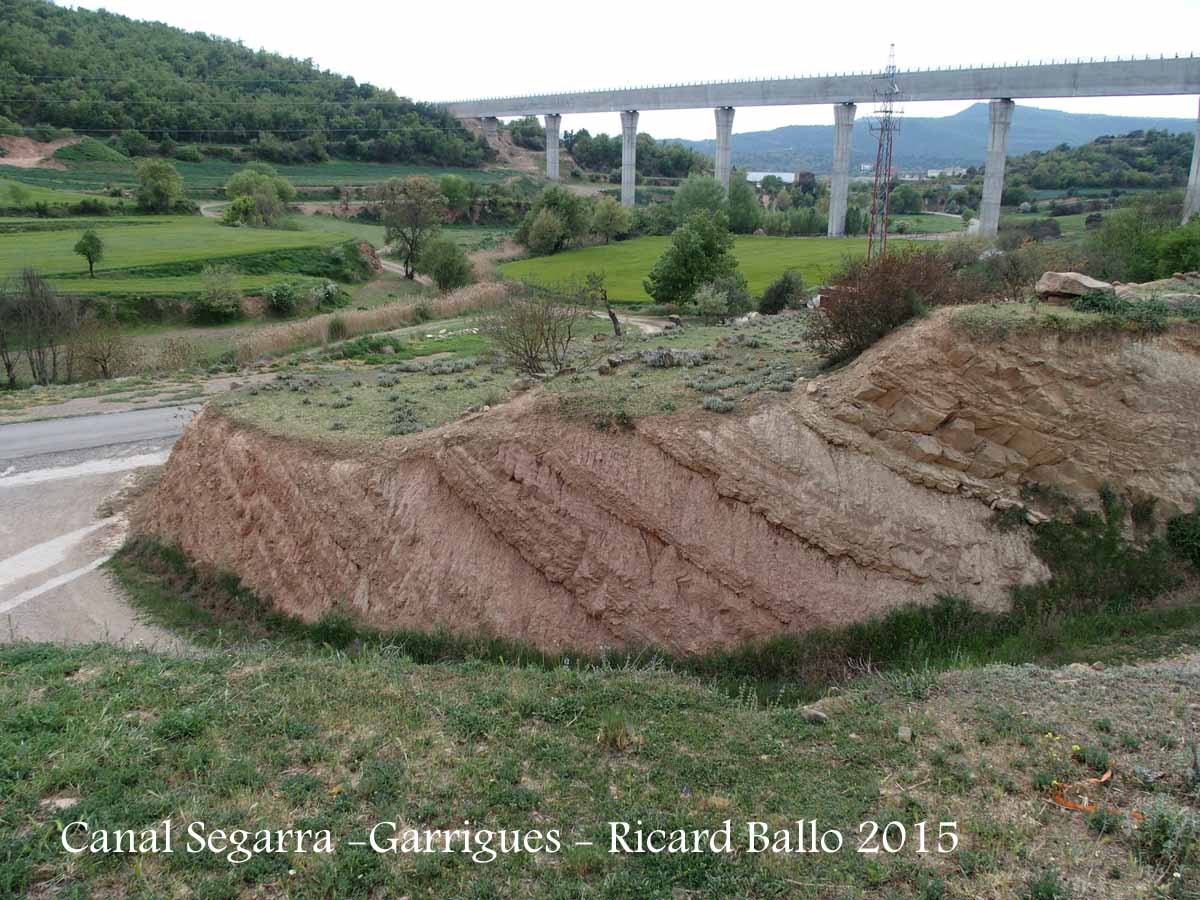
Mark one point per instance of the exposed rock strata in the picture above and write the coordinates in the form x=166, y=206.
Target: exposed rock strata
x=698, y=531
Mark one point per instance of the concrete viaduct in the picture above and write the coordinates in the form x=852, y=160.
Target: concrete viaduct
x=999, y=84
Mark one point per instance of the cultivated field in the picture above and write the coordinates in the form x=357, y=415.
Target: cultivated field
x=626, y=263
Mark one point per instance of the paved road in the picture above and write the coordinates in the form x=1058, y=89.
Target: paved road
x=26, y=439
x=57, y=530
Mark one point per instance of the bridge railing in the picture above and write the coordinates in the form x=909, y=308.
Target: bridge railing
x=816, y=77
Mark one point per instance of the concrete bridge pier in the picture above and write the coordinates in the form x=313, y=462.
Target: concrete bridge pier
x=1000, y=114
x=629, y=120
x=839, y=183
x=553, y=120
x=491, y=130
x=724, y=154
x=1191, y=202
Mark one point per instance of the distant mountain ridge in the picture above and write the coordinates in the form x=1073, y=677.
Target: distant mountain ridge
x=926, y=143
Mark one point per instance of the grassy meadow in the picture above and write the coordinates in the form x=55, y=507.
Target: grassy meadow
x=626, y=263
x=154, y=241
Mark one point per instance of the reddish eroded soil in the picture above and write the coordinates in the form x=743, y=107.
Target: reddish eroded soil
x=694, y=531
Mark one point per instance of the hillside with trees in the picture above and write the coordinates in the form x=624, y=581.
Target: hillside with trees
x=148, y=87
x=1140, y=159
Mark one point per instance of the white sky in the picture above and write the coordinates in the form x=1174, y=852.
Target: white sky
x=458, y=49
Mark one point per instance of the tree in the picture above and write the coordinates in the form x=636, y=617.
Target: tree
x=701, y=250
x=572, y=211
x=260, y=196
x=104, y=348
x=412, y=210
x=906, y=199
x=595, y=293
x=91, y=248
x=699, y=193
x=9, y=328
x=784, y=292
x=160, y=186
x=546, y=233
x=446, y=263
x=610, y=219
x=744, y=210
x=459, y=194
x=43, y=322
x=220, y=298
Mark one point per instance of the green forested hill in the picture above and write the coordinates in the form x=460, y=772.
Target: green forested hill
x=107, y=75
x=1150, y=159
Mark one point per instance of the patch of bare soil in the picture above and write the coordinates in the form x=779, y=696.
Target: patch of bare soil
x=26, y=153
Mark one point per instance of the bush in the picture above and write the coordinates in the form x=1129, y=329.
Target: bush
x=711, y=304
x=1093, y=567
x=546, y=233
x=283, y=299
x=446, y=263
x=869, y=299
x=701, y=250
x=1183, y=536
x=220, y=298
x=787, y=291
x=337, y=330
x=329, y=296
x=535, y=332
x=189, y=153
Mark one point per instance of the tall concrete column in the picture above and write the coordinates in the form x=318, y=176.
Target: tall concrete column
x=491, y=129
x=629, y=120
x=724, y=160
x=839, y=183
x=1000, y=114
x=552, y=122
x=1191, y=202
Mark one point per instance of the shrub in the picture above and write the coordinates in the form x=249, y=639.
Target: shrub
x=446, y=263
x=736, y=290
x=711, y=304
x=189, y=153
x=1169, y=837
x=1093, y=568
x=546, y=233
x=786, y=291
x=869, y=299
x=719, y=404
x=282, y=299
x=535, y=332
x=329, y=295
x=220, y=299
x=336, y=330
x=1183, y=536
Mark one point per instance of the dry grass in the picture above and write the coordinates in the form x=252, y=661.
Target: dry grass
x=282, y=339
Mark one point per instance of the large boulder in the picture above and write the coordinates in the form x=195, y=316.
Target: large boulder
x=1070, y=284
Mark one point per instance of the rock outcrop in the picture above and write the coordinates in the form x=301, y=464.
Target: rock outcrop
x=1070, y=284
x=871, y=488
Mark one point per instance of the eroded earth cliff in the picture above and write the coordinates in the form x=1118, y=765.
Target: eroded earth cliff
x=863, y=489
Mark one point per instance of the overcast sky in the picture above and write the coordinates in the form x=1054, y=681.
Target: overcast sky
x=458, y=49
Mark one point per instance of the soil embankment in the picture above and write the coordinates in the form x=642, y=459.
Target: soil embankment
x=872, y=487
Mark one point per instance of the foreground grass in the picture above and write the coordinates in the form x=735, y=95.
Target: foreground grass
x=262, y=738
x=626, y=263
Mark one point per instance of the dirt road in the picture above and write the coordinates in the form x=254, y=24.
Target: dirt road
x=57, y=478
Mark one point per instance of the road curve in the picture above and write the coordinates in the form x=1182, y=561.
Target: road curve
x=25, y=439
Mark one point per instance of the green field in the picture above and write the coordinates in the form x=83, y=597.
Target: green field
x=926, y=223
x=213, y=173
x=626, y=263
x=153, y=241
x=14, y=192
x=1073, y=224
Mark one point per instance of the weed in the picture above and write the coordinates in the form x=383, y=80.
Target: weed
x=1046, y=886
